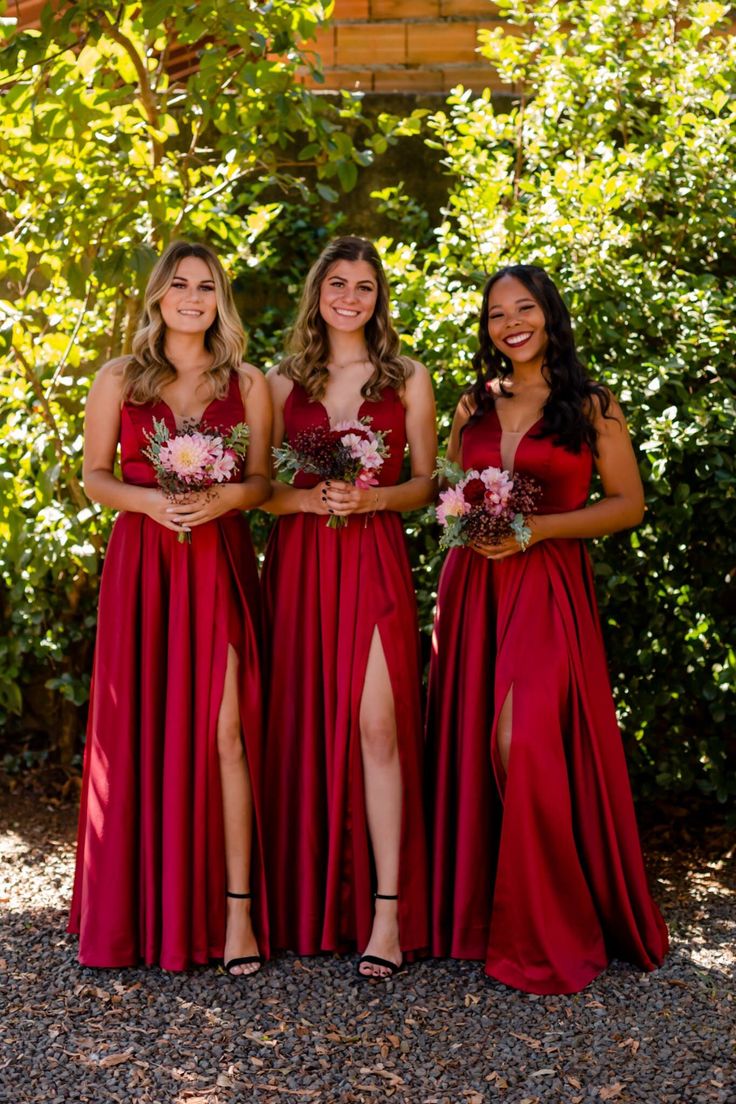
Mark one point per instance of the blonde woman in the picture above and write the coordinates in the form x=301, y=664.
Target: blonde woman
x=347, y=862
x=170, y=842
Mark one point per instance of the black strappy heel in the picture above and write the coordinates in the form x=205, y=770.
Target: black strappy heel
x=248, y=959
x=374, y=960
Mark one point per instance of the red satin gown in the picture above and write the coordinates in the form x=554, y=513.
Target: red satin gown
x=537, y=870
x=150, y=876
x=325, y=593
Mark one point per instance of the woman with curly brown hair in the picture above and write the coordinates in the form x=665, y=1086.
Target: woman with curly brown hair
x=343, y=774
x=170, y=838
x=536, y=859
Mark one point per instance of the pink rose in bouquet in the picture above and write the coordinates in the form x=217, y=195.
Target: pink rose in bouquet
x=487, y=505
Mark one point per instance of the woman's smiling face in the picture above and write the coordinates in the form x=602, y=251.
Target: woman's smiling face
x=516, y=322
x=190, y=303
x=348, y=294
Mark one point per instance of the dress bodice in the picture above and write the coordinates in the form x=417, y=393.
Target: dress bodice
x=136, y=420
x=386, y=413
x=564, y=476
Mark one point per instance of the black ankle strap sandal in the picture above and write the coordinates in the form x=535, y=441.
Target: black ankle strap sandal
x=247, y=960
x=374, y=960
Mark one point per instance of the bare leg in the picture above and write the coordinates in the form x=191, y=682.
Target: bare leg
x=382, y=775
x=504, y=729
x=237, y=814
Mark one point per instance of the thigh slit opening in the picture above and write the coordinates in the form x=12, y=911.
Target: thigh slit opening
x=502, y=739
x=381, y=762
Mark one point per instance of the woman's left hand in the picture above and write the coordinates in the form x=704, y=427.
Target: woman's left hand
x=203, y=506
x=343, y=499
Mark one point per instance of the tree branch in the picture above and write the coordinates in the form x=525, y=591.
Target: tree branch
x=519, y=163
x=148, y=97
x=131, y=318
x=18, y=73
x=75, y=490
x=65, y=356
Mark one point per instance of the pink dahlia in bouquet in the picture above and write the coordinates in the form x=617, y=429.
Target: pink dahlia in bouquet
x=194, y=459
x=487, y=505
x=349, y=451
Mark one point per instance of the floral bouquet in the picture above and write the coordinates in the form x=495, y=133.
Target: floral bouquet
x=350, y=451
x=194, y=459
x=487, y=505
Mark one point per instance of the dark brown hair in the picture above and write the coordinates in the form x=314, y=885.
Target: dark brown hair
x=570, y=405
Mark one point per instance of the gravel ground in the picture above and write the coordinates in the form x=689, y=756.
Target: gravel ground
x=307, y=1030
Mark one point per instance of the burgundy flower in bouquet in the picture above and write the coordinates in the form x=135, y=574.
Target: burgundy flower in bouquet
x=352, y=452
x=488, y=505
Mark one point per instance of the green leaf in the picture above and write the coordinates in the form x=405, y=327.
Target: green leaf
x=329, y=194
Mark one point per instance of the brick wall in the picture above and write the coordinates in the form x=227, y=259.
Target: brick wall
x=406, y=45
x=386, y=46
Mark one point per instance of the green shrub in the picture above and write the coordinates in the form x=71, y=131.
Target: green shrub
x=615, y=168
x=102, y=161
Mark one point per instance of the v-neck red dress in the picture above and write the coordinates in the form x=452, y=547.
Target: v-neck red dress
x=150, y=874
x=538, y=870
x=326, y=591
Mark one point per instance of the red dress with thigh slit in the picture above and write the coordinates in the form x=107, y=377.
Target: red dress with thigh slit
x=325, y=593
x=150, y=874
x=538, y=870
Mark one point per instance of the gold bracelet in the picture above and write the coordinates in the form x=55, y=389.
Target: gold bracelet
x=372, y=513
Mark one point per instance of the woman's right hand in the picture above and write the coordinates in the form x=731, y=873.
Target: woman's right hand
x=314, y=499
x=155, y=505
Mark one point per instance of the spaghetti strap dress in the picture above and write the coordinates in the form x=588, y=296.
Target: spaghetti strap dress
x=537, y=869
x=150, y=877
x=326, y=591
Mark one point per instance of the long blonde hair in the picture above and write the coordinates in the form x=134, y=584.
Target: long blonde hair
x=148, y=370
x=309, y=349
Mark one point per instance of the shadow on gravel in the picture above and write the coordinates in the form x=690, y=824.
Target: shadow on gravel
x=308, y=1030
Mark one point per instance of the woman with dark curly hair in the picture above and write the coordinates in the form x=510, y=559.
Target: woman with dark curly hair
x=536, y=858
x=346, y=834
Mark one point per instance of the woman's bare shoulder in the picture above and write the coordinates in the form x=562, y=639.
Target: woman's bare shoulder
x=465, y=408
x=280, y=385
x=114, y=369
x=251, y=379
x=109, y=380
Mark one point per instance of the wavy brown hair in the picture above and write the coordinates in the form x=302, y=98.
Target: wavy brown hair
x=309, y=347
x=572, y=393
x=148, y=369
